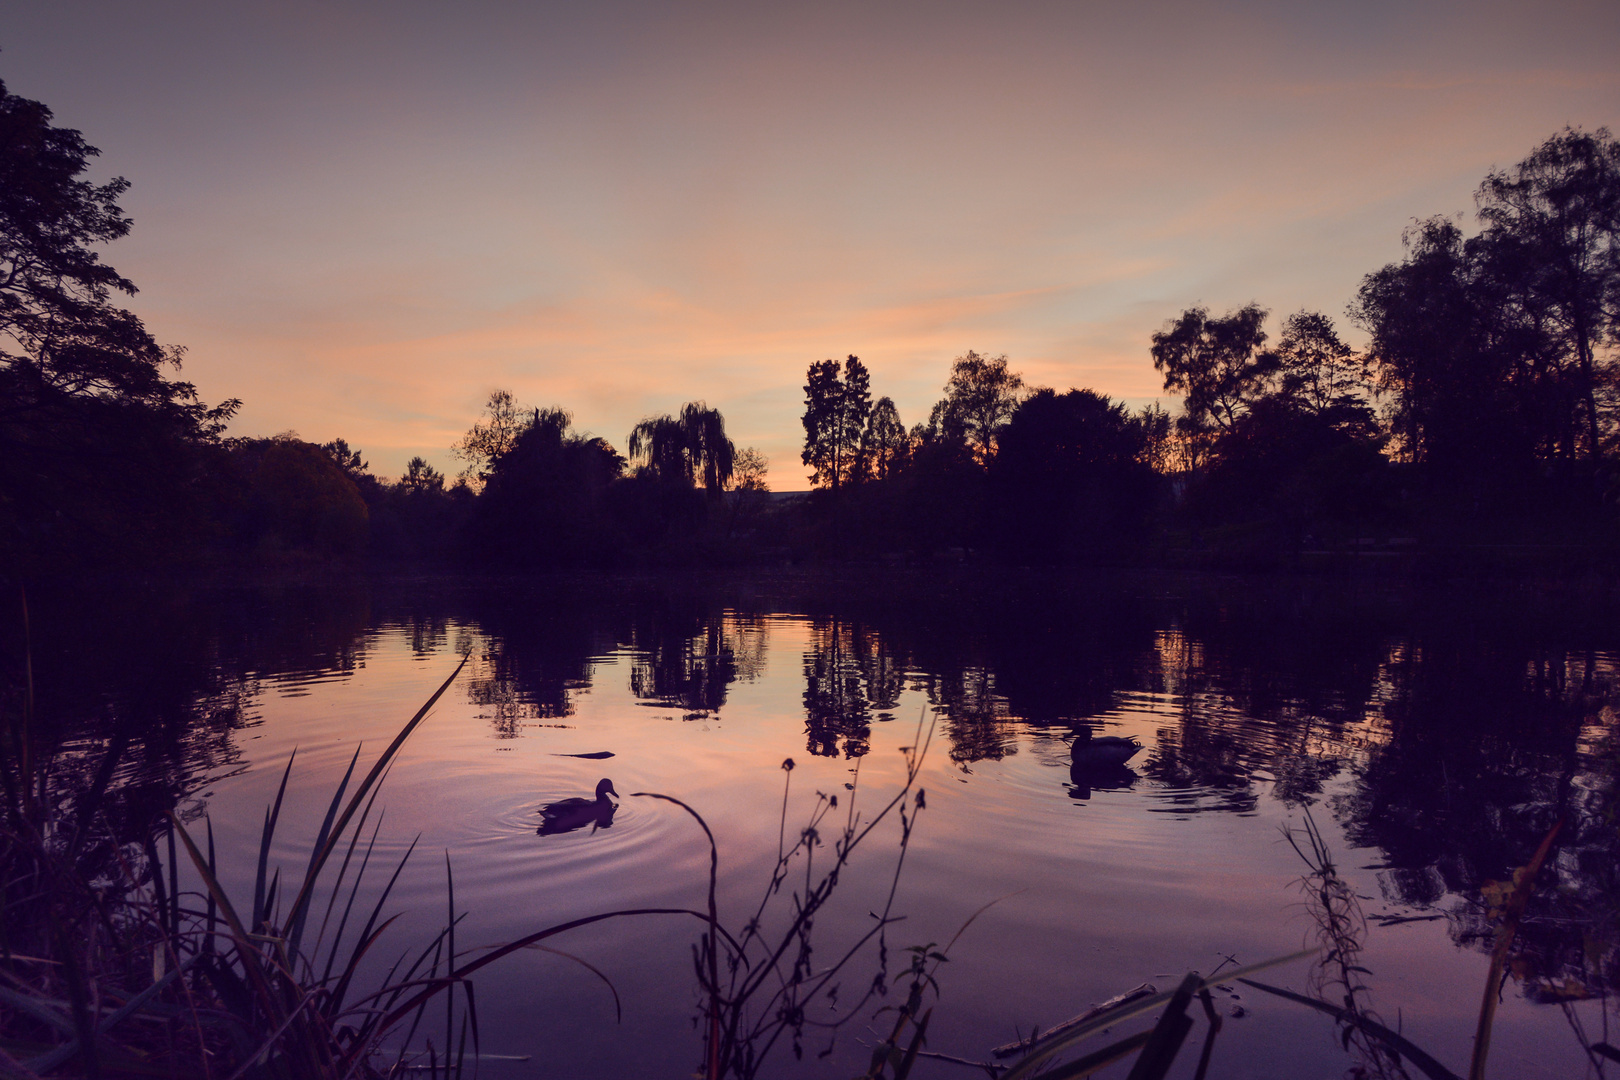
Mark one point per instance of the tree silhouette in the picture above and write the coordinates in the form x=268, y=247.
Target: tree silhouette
x=1069, y=481
x=980, y=397
x=1317, y=370
x=749, y=470
x=1552, y=225
x=546, y=502
x=489, y=440
x=1217, y=363
x=59, y=330
x=690, y=448
x=1443, y=356
x=420, y=477
x=105, y=457
x=884, y=441
x=835, y=413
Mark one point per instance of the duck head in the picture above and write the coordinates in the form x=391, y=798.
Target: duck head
x=604, y=788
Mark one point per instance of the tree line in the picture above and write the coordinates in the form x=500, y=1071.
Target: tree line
x=1481, y=410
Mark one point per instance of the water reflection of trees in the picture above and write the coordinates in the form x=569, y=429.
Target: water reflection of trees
x=686, y=663
x=141, y=693
x=536, y=651
x=1490, y=741
x=1458, y=730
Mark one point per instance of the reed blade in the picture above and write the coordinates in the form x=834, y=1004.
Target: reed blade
x=1030, y=1065
x=366, y=785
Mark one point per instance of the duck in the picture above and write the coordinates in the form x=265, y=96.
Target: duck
x=1091, y=751
x=566, y=815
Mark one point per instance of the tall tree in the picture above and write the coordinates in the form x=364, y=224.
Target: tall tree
x=60, y=332
x=105, y=458
x=1450, y=363
x=1069, y=480
x=420, y=477
x=883, y=442
x=1218, y=364
x=836, y=406
x=750, y=471
x=981, y=395
x=490, y=439
x=1552, y=224
x=1318, y=372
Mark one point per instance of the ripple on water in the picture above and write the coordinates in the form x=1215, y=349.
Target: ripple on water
x=506, y=856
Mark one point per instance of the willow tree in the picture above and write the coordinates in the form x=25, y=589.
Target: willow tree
x=690, y=448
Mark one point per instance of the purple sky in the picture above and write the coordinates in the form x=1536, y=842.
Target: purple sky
x=361, y=217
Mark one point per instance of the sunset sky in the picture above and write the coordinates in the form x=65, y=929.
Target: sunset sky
x=361, y=217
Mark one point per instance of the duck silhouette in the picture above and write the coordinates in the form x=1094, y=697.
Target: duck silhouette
x=1093, y=751
x=566, y=815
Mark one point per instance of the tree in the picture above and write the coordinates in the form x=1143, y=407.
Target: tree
x=1069, y=480
x=105, y=458
x=299, y=498
x=60, y=333
x=884, y=442
x=1552, y=229
x=980, y=397
x=547, y=500
x=688, y=449
x=1319, y=373
x=487, y=441
x=1452, y=366
x=420, y=477
x=1218, y=364
x=835, y=413
x=749, y=470
x=1157, y=444
x=347, y=459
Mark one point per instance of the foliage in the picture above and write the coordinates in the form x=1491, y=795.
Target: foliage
x=546, y=499
x=348, y=459
x=836, y=408
x=421, y=478
x=1552, y=227
x=1219, y=364
x=1319, y=372
x=295, y=497
x=1069, y=481
x=749, y=471
x=490, y=439
x=883, y=442
x=686, y=449
x=1457, y=384
x=980, y=397
x=60, y=333
x=106, y=457
x=763, y=985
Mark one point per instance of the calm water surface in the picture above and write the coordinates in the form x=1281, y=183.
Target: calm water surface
x=1432, y=738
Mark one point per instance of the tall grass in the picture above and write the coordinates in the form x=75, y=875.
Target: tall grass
x=109, y=968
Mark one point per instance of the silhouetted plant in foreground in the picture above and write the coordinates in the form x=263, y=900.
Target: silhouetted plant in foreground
x=1382, y=1051
x=763, y=984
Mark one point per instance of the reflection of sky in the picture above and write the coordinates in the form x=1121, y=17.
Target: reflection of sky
x=1095, y=895
x=361, y=218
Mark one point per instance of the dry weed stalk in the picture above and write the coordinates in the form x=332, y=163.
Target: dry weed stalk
x=1337, y=975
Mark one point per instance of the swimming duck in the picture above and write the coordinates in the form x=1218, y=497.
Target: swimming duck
x=566, y=815
x=1091, y=751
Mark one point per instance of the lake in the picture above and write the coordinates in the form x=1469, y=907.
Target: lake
x=1432, y=735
